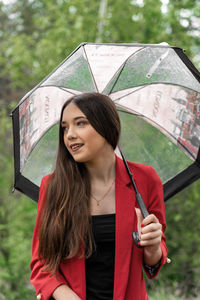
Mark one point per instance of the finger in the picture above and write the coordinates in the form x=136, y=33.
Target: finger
x=151, y=235
x=152, y=242
x=151, y=227
x=150, y=219
x=139, y=220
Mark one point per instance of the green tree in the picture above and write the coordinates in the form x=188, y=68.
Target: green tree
x=182, y=20
x=37, y=35
x=182, y=214
x=17, y=217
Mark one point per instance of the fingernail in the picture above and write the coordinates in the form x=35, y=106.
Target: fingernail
x=139, y=243
x=142, y=225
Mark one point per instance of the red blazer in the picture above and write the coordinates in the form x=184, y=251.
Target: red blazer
x=129, y=282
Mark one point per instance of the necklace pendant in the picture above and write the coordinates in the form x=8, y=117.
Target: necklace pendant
x=98, y=201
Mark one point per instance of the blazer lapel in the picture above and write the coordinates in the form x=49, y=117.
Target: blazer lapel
x=125, y=214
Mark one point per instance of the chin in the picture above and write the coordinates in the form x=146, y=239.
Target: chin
x=79, y=158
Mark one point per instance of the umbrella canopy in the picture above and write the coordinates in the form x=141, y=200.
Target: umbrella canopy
x=156, y=90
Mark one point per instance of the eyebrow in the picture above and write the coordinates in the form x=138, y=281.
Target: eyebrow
x=76, y=118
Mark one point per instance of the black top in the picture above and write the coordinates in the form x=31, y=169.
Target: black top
x=100, y=266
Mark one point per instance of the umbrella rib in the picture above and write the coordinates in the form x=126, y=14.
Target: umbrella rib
x=54, y=70
x=152, y=83
x=59, y=87
x=120, y=70
x=90, y=70
x=131, y=45
x=132, y=92
x=194, y=71
x=188, y=63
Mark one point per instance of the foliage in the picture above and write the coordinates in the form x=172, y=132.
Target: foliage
x=182, y=214
x=37, y=35
x=163, y=293
x=17, y=216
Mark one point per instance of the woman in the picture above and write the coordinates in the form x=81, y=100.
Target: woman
x=87, y=211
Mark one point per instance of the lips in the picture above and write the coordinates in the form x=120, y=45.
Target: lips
x=75, y=147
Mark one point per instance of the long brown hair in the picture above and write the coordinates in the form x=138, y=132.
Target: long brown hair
x=65, y=225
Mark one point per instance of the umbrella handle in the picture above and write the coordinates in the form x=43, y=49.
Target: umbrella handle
x=139, y=199
x=136, y=239
x=145, y=213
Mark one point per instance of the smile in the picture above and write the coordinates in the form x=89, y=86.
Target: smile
x=76, y=147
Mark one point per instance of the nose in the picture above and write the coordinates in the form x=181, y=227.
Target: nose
x=71, y=133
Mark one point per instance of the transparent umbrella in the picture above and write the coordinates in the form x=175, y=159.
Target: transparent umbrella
x=156, y=90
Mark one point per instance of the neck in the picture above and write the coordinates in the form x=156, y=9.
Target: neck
x=103, y=168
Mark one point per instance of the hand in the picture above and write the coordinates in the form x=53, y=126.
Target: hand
x=63, y=292
x=150, y=233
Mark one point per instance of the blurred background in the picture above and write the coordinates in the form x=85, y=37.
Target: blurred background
x=35, y=36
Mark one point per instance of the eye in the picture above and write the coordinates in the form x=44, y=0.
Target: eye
x=65, y=129
x=81, y=123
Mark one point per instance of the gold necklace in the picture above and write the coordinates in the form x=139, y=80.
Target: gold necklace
x=106, y=193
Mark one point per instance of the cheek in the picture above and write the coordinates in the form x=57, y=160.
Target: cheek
x=96, y=140
x=94, y=136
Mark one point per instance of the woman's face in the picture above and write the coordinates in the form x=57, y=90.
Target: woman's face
x=82, y=141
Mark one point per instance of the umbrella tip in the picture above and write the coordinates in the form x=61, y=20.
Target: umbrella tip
x=164, y=44
x=168, y=260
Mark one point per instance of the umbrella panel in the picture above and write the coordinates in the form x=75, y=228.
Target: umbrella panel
x=149, y=66
x=37, y=114
x=73, y=73
x=42, y=157
x=143, y=143
x=174, y=110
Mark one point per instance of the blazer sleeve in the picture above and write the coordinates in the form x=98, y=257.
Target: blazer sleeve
x=44, y=282
x=156, y=206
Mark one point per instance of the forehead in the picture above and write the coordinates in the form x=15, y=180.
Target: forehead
x=71, y=111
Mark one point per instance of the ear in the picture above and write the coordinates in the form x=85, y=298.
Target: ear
x=139, y=220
